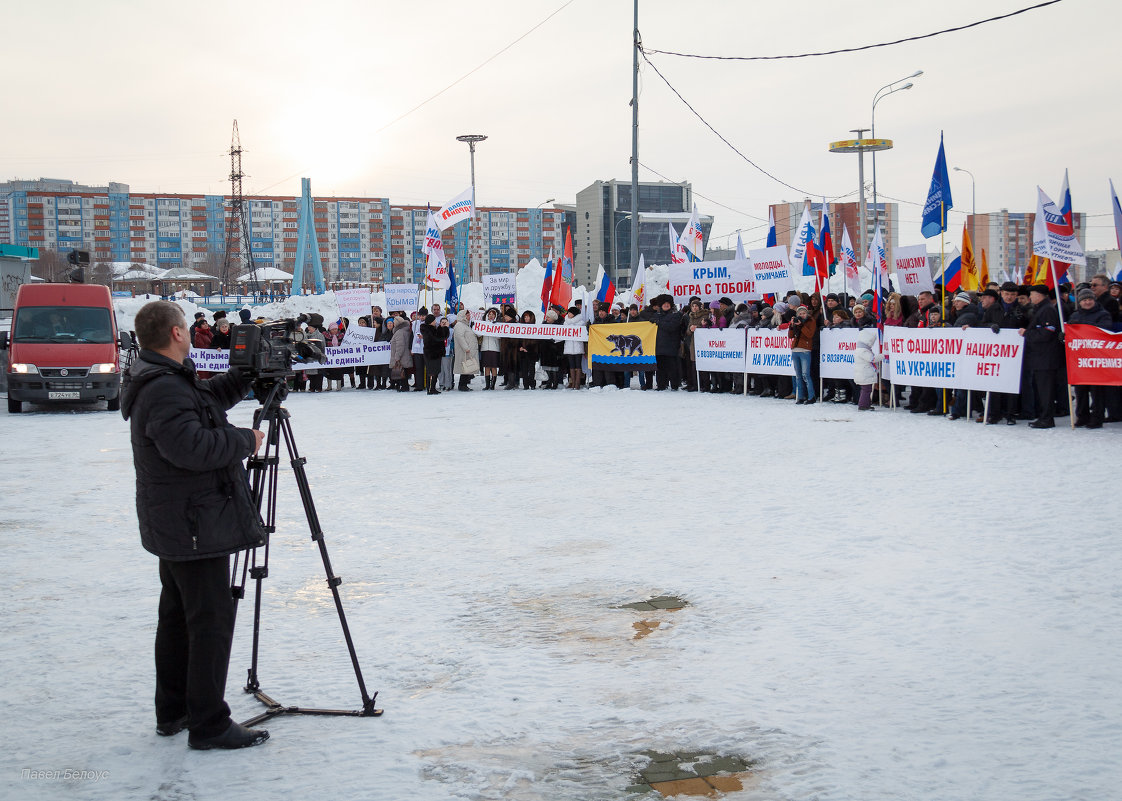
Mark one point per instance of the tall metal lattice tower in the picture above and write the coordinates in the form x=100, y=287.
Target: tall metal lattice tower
x=239, y=245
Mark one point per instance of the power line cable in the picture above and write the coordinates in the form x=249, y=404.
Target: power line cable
x=857, y=49
x=718, y=134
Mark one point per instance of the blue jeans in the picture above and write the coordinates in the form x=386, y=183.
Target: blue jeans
x=804, y=384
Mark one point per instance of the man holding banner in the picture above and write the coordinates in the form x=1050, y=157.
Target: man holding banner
x=1043, y=354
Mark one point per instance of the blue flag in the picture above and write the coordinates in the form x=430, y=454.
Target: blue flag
x=938, y=197
x=451, y=294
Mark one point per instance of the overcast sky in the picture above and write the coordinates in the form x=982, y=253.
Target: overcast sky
x=146, y=93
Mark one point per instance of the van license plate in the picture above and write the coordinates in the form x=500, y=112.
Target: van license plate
x=64, y=396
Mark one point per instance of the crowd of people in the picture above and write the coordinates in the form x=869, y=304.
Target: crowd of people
x=436, y=349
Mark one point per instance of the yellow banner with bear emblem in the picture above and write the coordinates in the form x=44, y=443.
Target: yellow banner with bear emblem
x=622, y=346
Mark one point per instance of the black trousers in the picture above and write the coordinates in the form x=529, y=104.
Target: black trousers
x=1044, y=382
x=193, y=637
x=669, y=374
x=1090, y=403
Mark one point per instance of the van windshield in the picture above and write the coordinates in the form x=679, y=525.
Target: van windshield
x=86, y=324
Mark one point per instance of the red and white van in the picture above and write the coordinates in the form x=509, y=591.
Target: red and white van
x=62, y=346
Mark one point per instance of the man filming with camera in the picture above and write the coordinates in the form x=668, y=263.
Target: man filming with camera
x=195, y=509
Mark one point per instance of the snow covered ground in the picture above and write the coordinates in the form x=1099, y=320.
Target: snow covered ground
x=880, y=606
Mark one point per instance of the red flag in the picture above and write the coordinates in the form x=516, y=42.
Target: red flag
x=562, y=293
x=547, y=284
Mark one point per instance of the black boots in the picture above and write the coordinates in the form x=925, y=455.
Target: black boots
x=235, y=736
x=465, y=379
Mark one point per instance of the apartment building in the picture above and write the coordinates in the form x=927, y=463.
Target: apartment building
x=360, y=238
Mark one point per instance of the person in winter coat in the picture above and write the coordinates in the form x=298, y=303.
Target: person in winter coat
x=698, y=319
x=866, y=363
x=1090, y=401
x=221, y=339
x=573, y=350
x=489, y=350
x=801, y=334
x=418, y=349
x=435, y=336
x=314, y=332
x=527, y=355
x=508, y=353
x=668, y=341
x=194, y=508
x=552, y=354
x=465, y=351
x=333, y=339
x=1044, y=354
x=401, y=353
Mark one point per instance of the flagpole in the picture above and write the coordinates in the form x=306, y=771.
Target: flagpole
x=1060, y=313
x=943, y=294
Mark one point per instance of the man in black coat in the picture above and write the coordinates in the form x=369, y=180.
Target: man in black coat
x=1044, y=353
x=668, y=340
x=1004, y=312
x=195, y=509
x=435, y=338
x=1090, y=401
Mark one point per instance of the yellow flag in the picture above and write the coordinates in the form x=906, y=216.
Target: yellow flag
x=1043, y=268
x=969, y=269
x=622, y=346
x=984, y=273
x=1030, y=270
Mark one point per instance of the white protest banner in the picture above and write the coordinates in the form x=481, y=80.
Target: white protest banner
x=499, y=288
x=769, y=351
x=353, y=303
x=718, y=351
x=772, y=271
x=218, y=361
x=210, y=361
x=401, y=296
x=526, y=331
x=359, y=335
x=712, y=280
x=350, y=356
x=838, y=347
x=974, y=359
x=912, y=271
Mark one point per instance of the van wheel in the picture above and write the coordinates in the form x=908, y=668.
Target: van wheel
x=113, y=404
x=14, y=406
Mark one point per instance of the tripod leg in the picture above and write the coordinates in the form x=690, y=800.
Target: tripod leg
x=263, y=486
x=333, y=581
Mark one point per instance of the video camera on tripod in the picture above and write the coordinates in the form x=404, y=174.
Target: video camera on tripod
x=269, y=350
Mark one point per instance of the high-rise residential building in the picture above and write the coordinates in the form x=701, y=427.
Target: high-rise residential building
x=360, y=239
x=1007, y=239
x=602, y=229
x=842, y=215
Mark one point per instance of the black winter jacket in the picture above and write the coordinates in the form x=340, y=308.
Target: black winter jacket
x=1044, y=349
x=192, y=491
x=435, y=338
x=1096, y=315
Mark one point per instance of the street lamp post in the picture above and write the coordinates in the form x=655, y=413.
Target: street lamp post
x=973, y=209
x=471, y=140
x=615, y=246
x=541, y=239
x=873, y=126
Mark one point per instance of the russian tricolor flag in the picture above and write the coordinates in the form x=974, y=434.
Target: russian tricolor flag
x=952, y=273
x=605, y=289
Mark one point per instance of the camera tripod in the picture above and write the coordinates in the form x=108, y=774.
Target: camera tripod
x=263, y=470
